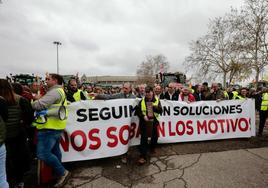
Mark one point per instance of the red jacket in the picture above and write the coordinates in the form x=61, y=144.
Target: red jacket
x=190, y=97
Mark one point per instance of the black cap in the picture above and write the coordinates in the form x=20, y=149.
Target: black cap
x=148, y=89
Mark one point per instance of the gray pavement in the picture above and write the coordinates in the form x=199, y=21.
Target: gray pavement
x=218, y=163
x=235, y=168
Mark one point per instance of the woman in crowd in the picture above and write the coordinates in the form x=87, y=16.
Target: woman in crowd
x=26, y=101
x=18, y=158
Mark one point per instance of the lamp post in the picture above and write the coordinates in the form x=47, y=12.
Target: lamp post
x=57, y=43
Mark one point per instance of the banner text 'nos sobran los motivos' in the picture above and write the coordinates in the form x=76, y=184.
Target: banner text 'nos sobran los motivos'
x=98, y=129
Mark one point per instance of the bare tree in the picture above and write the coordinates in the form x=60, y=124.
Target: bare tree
x=211, y=55
x=150, y=67
x=239, y=66
x=234, y=45
x=251, y=22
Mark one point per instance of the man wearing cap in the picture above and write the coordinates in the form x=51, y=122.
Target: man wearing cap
x=148, y=110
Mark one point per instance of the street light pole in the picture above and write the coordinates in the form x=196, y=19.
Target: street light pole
x=57, y=43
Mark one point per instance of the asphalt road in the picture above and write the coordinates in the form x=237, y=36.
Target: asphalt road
x=111, y=172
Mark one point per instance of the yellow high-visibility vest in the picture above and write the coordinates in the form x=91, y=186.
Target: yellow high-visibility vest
x=53, y=122
x=240, y=97
x=226, y=94
x=144, y=110
x=77, y=95
x=235, y=94
x=264, y=102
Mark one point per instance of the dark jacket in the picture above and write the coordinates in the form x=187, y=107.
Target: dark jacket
x=3, y=118
x=199, y=96
x=161, y=96
x=206, y=95
x=20, y=115
x=3, y=109
x=217, y=95
x=258, y=100
x=70, y=93
x=174, y=97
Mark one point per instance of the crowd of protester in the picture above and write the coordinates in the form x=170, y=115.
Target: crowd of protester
x=19, y=139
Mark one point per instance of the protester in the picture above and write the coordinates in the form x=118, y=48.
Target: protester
x=73, y=93
x=257, y=95
x=229, y=91
x=126, y=93
x=171, y=94
x=178, y=87
x=85, y=93
x=136, y=91
x=226, y=95
x=51, y=126
x=35, y=90
x=18, y=157
x=3, y=118
x=243, y=94
x=30, y=130
x=234, y=93
x=205, y=91
x=43, y=89
x=141, y=91
x=186, y=95
x=23, y=91
x=35, y=87
x=98, y=90
x=216, y=93
x=198, y=95
x=158, y=91
x=148, y=116
x=263, y=111
x=89, y=91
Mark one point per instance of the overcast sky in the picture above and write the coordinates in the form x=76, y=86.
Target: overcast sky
x=100, y=37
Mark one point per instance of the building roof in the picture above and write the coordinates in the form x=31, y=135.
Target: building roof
x=112, y=78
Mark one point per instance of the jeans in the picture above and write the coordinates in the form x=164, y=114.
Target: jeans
x=3, y=177
x=48, y=149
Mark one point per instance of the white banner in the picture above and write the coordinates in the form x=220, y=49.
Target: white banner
x=98, y=129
